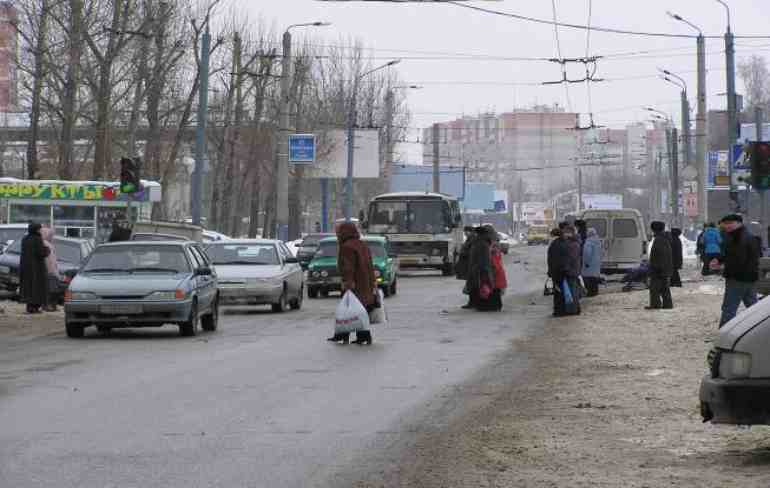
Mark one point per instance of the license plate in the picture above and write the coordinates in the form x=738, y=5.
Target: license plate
x=129, y=309
x=5, y=270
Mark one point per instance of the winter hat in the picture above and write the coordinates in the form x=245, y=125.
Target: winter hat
x=732, y=218
x=676, y=232
x=658, y=226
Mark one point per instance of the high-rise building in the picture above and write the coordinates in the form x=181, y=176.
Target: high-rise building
x=9, y=46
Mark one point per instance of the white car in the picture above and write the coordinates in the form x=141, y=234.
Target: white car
x=211, y=236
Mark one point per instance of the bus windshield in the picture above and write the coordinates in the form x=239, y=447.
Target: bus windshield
x=416, y=216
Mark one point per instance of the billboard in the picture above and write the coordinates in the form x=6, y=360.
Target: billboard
x=536, y=212
x=405, y=177
x=479, y=196
x=332, y=155
x=603, y=201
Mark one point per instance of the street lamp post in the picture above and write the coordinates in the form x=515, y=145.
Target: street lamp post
x=282, y=149
x=700, y=120
x=390, y=97
x=352, y=137
x=672, y=150
x=732, y=115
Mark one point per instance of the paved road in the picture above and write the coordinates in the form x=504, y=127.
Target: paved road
x=264, y=402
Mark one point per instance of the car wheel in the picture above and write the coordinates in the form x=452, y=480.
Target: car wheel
x=296, y=304
x=210, y=322
x=394, y=287
x=324, y=293
x=385, y=291
x=282, y=305
x=448, y=269
x=104, y=329
x=73, y=330
x=189, y=328
x=312, y=292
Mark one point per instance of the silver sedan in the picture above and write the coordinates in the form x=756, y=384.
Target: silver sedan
x=257, y=272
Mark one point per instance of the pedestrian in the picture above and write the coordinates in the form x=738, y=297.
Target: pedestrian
x=52, y=267
x=574, y=268
x=741, y=267
x=711, y=247
x=317, y=227
x=481, y=279
x=33, y=274
x=357, y=271
x=661, y=268
x=677, y=255
x=592, y=262
x=463, y=262
x=501, y=280
x=582, y=231
x=557, y=269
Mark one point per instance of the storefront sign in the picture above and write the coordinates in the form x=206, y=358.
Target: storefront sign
x=75, y=191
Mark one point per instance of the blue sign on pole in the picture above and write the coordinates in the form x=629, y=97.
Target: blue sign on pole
x=302, y=148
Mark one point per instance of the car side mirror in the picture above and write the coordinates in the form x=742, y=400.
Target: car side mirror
x=203, y=272
x=291, y=260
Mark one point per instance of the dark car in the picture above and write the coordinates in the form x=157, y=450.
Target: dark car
x=70, y=254
x=308, y=248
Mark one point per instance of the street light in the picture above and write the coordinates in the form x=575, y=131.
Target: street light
x=352, y=135
x=700, y=120
x=665, y=116
x=679, y=82
x=282, y=154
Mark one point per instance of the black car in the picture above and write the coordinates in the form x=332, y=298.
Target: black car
x=70, y=254
x=308, y=248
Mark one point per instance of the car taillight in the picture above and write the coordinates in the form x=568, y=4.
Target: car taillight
x=180, y=294
x=67, y=279
x=67, y=295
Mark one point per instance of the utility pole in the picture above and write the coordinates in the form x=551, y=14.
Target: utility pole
x=686, y=133
x=674, y=177
x=732, y=116
x=200, y=132
x=580, y=187
x=626, y=163
x=388, y=163
x=436, y=157
x=282, y=156
x=351, y=154
x=700, y=132
x=758, y=121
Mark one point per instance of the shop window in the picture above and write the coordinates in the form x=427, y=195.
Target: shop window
x=23, y=214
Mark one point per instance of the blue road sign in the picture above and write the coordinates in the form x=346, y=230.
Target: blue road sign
x=302, y=148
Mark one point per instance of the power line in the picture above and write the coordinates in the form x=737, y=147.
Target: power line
x=558, y=52
x=584, y=27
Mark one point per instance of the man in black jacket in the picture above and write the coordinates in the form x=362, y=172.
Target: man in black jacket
x=677, y=255
x=661, y=268
x=741, y=267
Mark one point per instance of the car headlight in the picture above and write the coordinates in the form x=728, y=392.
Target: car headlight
x=79, y=296
x=316, y=274
x=168, y=295
x=734, y=365
x=270, y=281
x=324, y=273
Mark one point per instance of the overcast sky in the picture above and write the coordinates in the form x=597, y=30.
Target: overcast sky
x=400, y=30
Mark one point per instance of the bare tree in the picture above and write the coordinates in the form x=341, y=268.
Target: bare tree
x=756, y=79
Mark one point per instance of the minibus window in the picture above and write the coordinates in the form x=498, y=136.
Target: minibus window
x=624, y=228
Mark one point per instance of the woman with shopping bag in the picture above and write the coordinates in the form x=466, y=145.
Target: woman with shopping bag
x=357, y=272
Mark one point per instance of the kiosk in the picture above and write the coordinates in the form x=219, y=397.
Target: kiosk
x=80, y=209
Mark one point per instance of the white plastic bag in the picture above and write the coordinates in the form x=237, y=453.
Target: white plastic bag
x=351, y=316
x=378, y=316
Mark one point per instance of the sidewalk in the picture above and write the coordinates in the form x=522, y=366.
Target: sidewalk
x=14, y=322
x=610, y=399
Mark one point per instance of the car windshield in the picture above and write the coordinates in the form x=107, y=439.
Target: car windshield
x=376, y=249
x=15, y=247
x=68, y=251
x=11, y=235
x=418, y=216
x=246, y=254
x=138, y=258
x=327, y=250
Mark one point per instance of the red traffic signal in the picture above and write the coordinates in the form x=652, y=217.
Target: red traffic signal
x=760, y=165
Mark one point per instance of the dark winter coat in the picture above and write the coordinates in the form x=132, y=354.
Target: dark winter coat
x=480, y=263
x=661, y=259
x=677, y=253
x=741, y=256
x=574, y=257
x=33, y=273
x=355, y=265
x=464, y=258
x=558, y=258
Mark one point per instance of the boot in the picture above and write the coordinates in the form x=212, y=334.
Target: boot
x=363, y=337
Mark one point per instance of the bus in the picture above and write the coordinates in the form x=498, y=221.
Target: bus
x=424, y=230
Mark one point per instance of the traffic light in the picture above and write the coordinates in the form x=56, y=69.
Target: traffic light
x=129, y=175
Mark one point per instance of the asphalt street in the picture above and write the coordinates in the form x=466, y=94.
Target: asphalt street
x=263, y=402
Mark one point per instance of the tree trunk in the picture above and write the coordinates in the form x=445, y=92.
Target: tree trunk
x=37, y=90
x=254, y=205
x=69, y=104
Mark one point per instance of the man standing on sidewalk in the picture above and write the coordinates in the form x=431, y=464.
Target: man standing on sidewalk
x=661, y=268
x=741, y=267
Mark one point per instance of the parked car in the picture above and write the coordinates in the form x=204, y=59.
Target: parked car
x=623, y=235
x=538, y=234
x=70, y=253
x=10, y=233
x=308, y=248
x=324, y=277
x=258, y=272
x=737, y=389
x=148, y=237
x=144, y=284
x=212, y=236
